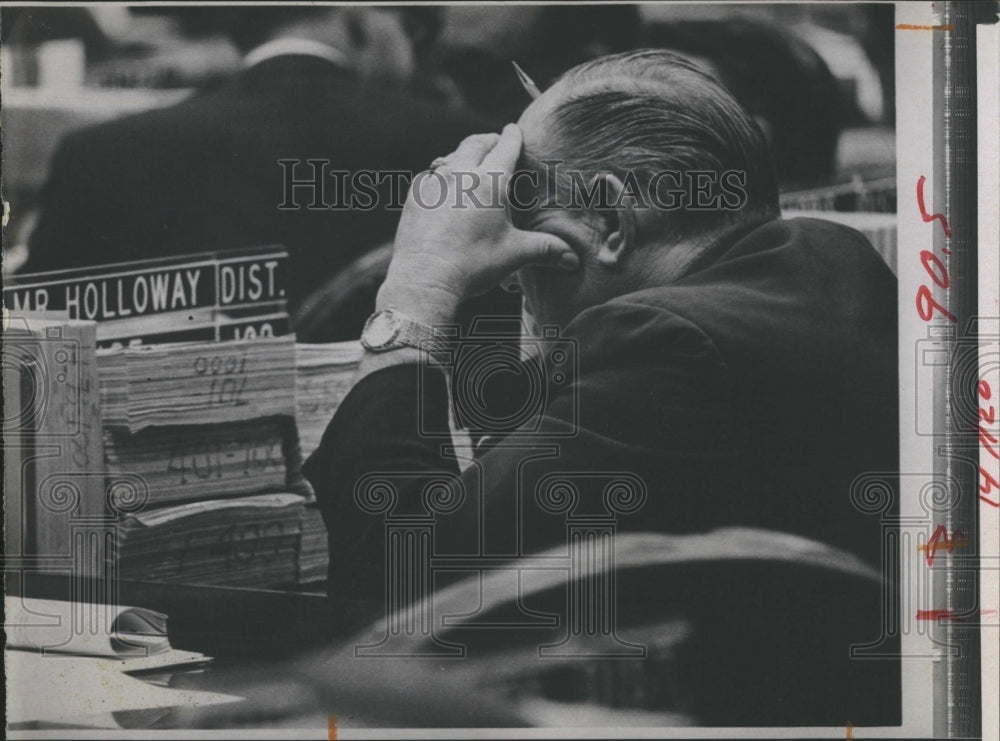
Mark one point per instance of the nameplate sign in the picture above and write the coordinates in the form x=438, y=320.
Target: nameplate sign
x=237, y=294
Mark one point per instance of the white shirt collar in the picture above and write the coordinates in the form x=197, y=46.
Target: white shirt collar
x=283, y=47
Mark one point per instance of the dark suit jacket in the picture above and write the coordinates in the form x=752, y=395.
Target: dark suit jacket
x=204, y=174
x=753, y=392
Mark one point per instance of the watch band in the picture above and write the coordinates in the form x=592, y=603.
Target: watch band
x=405, y=332
x=424, y=337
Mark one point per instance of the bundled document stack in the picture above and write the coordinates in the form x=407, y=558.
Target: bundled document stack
x=193, y=462
x=323, y=375
x=201, y=420
x=187, y=383
x=209, y=428
x=243, y=541
x=874, y=195
x=314, y=554
x=171, y=413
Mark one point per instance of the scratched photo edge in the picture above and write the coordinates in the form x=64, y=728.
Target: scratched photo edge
x=919, y=102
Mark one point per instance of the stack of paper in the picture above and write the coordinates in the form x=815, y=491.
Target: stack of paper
x=208, y=461
x=247, y=541
x=70, y=663
x=877, y=195
x=53, y=455
x=209, y=428
x=314, y=554
x=57, y=692
x=114, y=630
x=323, y=375
x=197, y=382
x=133, y=639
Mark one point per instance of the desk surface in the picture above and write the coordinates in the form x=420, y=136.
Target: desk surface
x=771, y=634
x=229, y=623
x=246, y=631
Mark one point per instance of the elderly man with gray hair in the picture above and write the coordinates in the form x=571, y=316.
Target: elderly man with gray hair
x=740, y=366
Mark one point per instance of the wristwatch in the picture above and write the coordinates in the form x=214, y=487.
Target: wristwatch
x=388, y=330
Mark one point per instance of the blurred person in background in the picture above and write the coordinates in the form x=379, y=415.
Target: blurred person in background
x=317, y=83
x=775, y=75
x=478, y=44
x=36, y=25
x=779, y=79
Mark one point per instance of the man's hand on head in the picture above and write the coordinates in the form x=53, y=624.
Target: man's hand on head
x=455, y=239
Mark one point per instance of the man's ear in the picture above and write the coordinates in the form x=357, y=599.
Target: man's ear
x=619, y=220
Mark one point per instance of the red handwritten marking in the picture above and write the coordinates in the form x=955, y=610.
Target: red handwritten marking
x=989, y=485
x=989, y=443
x=936, y=270
x=947, y=615
x=934, y=614
x=923, y=209
x=986, y=439
x=331, y=728
x=926, y=304
x=940, y=540
x=912, y=27
x=850, y=731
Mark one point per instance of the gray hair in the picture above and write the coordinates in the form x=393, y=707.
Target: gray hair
x=650, y=111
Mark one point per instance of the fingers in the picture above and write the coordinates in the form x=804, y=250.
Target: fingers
x=539, y=248
x=471, y=151
x=503, y=156
x=488, y=150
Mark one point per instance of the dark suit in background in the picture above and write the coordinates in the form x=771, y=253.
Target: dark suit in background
x=204, y=174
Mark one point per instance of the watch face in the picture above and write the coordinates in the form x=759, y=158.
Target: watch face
x=381, y=330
